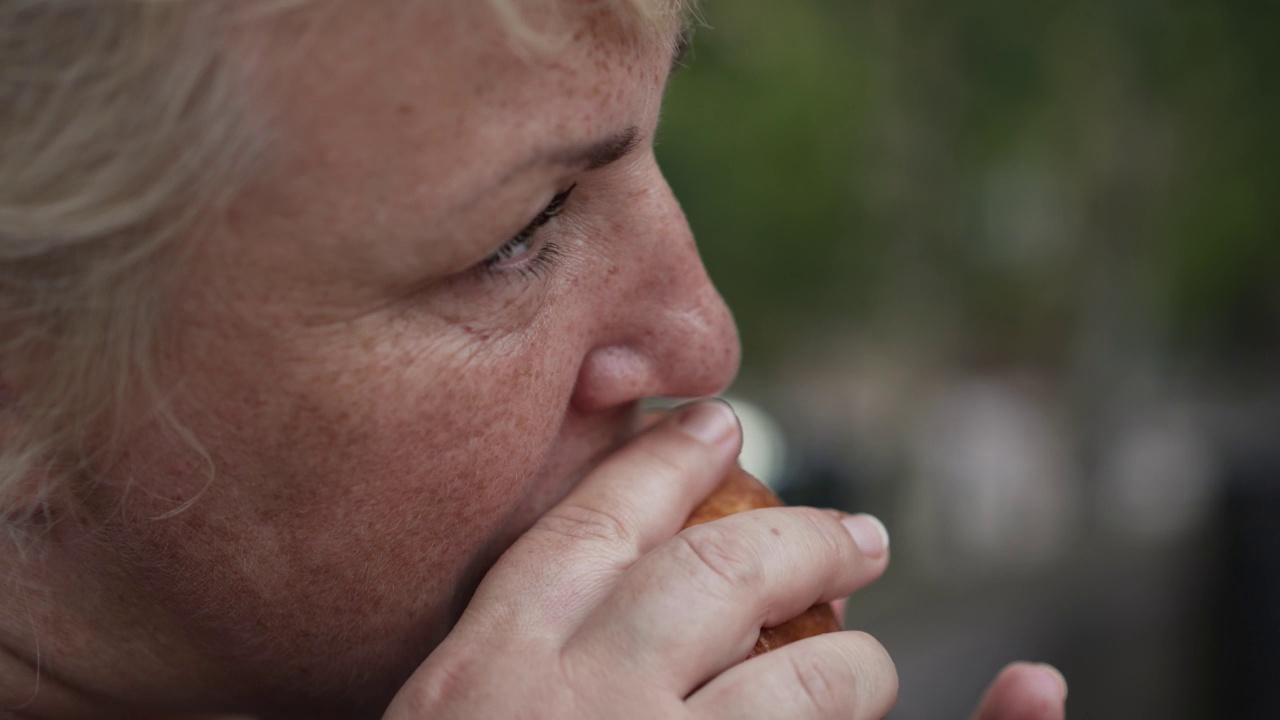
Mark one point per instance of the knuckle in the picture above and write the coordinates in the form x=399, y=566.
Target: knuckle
x=828, y=532
x=461, y=684
x=449, y=681
x=821, y=686
x=579, y=524
x=721, y=561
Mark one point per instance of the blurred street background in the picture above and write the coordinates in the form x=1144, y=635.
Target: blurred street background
x=1006, y=275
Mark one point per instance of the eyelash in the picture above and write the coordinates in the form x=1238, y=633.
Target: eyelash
x=543, y=256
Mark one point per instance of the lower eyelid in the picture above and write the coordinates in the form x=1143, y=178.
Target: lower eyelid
x=538, y=253
x=553, y=210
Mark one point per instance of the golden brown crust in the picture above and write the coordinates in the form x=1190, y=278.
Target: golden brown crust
x=740, y=492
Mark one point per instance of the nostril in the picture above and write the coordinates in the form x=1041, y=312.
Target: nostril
x=612, y=375
x=682, y=354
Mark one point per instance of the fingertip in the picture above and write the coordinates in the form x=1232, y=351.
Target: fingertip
x=1057, y=676
x=868, y=533
x=1040, y=679
x=1025, y=691
x=711, y=421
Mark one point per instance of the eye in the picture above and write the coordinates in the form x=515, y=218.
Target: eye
x=521, y=246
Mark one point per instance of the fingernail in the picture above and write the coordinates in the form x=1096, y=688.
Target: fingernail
x=710, y=421
x=1058, y=675
x=868, y=533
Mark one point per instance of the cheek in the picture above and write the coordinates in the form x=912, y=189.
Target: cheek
x=433, y=448
x=354, y=497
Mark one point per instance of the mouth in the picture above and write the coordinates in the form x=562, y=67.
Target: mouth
x=581, y=451
x=565, y=465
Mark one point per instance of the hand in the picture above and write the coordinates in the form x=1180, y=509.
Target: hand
x=606, y=609
x=1023, y=691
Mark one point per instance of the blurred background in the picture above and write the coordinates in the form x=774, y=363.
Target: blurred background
x=1006, y=277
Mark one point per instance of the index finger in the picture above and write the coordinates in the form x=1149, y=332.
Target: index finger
x=637, y=498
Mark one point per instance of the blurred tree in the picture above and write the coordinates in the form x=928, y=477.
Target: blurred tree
x=1005, y=176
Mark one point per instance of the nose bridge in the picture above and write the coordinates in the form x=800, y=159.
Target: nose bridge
x=689, y=305
x=673, y=335
x=693, y=309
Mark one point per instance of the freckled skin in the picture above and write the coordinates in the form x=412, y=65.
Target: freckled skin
x=383, y=419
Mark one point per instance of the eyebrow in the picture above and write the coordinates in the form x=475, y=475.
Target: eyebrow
x=602, y=152
x=612, y=148
x=622, y=144
x=617, y=146
x=591, y=156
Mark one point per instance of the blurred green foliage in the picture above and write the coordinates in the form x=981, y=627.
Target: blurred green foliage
x=1011, y=173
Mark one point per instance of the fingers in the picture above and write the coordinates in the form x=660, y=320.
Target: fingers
x=1024, y=691
x=846, y=675
x=695, y=605
x=634, y=500
x=652, y=484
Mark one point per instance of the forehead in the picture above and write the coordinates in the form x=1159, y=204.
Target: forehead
x=440, y=75
x=398, y=110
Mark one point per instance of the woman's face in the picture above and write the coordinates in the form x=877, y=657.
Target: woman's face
x=412, y=333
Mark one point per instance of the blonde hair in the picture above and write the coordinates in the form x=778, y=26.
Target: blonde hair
x=120, y=126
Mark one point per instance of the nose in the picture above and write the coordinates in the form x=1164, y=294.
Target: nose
x=662, y=330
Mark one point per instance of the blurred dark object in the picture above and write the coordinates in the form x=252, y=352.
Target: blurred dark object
x=1248, y=602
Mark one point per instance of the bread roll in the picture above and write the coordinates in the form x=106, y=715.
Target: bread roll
x=738, y=492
